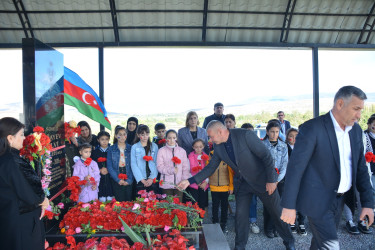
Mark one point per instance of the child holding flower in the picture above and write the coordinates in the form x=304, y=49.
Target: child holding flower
x=197, y=159
x=100, y=156
x=143, y=160
x=87, y=169
x=173, y=165
x=118, y=162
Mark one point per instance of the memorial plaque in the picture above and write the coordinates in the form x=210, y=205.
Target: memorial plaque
x=43, y=82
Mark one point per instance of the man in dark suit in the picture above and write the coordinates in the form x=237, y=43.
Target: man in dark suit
x=326, y=166
x=251, y=160
x=285, y=125
x=217, y=115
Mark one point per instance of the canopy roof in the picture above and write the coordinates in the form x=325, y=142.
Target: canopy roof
x=336, y=23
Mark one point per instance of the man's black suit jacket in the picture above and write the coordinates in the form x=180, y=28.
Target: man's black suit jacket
x=253, y=160
x=313, y=173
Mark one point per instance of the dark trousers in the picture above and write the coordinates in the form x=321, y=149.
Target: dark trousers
x=269, y=224
x=200, y=196
x=324, y=229
x=300, y=218
x=122, y=193
x=220, y=199
x=271, y=202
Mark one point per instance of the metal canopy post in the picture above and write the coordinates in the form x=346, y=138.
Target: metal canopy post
x=101, y=78
x=315, y=81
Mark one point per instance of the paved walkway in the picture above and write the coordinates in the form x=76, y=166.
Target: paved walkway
x=260, y=241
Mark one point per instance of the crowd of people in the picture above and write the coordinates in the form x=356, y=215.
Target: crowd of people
x=221, y=158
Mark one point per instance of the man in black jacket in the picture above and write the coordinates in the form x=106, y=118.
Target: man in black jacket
x=217, y=115
x=327, y=165
x=251, y=160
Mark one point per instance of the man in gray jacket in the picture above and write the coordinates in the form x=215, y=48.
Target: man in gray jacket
x=253, y=164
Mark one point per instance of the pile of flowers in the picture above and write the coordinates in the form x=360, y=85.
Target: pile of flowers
x=71, y=130
x=37, y=148
x=150, y=209
x=173, y=240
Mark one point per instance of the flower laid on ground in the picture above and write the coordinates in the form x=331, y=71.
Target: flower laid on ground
x=37, y=148
x=147, y=210
x=147, y=158
x=71, y=130
x=173, y=240
x=122, y=177
x=176, y=160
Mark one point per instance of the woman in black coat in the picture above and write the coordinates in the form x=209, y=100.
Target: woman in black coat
x=22, y=200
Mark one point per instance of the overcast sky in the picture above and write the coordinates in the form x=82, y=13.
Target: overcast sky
x=165, y=80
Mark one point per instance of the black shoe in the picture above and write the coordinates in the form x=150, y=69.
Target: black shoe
x=275, y=234
x=269, y=234
x=362, y=227
x=351, y=228
x=293, y=228
x=302, y=230
x=224, y=228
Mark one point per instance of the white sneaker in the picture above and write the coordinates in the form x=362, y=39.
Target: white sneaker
x=254, y=228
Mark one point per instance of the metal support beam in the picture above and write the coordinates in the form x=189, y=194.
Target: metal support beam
x=21, y=18
x=287, y=20
x=315, y=69
x=367, y=24
x=101, y=78
x=26, y=18
x=114, y=20
x=200, y=44
x=204, y=28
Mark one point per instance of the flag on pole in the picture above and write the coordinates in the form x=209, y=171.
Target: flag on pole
x=80, y=95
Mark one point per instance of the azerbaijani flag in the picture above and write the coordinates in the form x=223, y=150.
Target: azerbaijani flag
x=80, y=95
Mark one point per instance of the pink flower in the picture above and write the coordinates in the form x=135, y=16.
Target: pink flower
x=122, y=229
x=61, y=205
x=47, y=172
x=166, y=228
x=49, y=208
x=146, y=200
x=78, y=230
x=136, y=206
x=44, y=185
x=86, y=205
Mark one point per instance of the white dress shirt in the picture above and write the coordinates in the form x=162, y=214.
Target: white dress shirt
x=345, y=152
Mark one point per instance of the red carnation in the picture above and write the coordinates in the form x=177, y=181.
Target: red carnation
x=38, y=129
x=102, y=159
x=92, y=181
x=71, y=241
x=205, y=157
x=197, y=168
x=87, y=162
x=154, y=180
x=161, y=182
x=58, y=246
x=176, y=160
x=162, y=141
x=122, y=176
x=369, y=156
x=277, y=170
x=147, y=158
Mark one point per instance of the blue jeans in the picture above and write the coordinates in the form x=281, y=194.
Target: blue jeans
x=253, y=209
